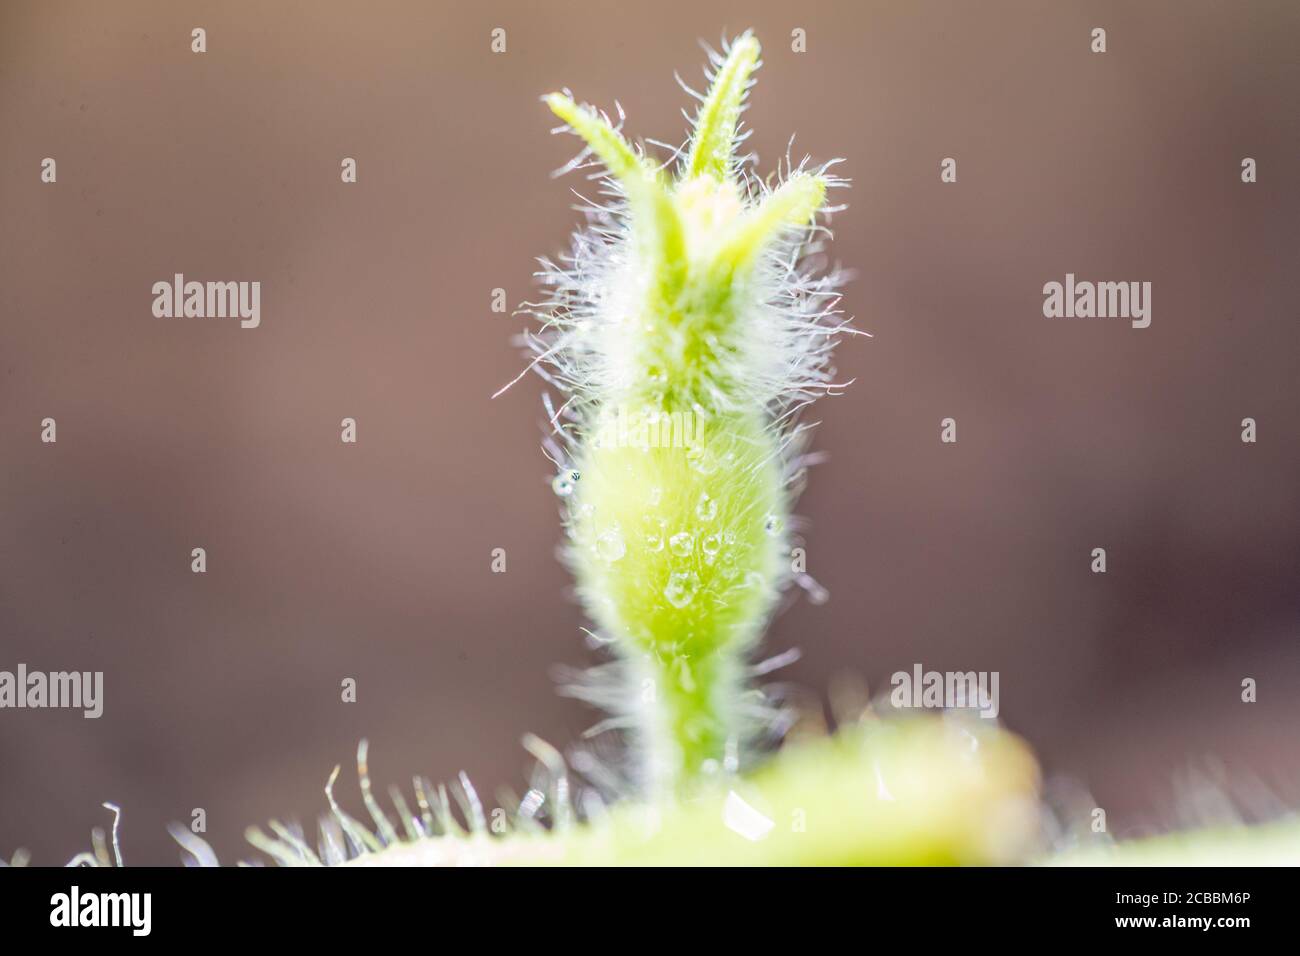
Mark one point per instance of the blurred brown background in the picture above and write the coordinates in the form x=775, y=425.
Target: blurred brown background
x=372, y=561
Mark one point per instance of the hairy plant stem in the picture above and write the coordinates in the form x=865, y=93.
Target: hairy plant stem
x=679, y=556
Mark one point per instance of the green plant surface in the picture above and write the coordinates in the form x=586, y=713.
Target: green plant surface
x=1270, y=844
x=908, y=791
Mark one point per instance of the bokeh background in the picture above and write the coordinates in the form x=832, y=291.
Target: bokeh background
x=371, y=561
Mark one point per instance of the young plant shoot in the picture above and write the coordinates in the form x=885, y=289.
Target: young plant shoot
x=687, y=330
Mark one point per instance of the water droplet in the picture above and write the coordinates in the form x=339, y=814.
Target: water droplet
x=706, y=509
x=703, y=462
x=772, y=525
x=656, y=495
x=610, y=545
x=564, y=483
x=681, y=588
x=682, y=544
x=654, y=541
x=711, y=545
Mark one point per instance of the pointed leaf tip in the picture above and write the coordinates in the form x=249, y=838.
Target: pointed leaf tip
x=657, y=225
x=717, y=121
x=601, y=138
x=791, y=205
